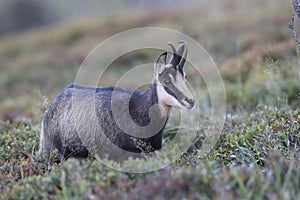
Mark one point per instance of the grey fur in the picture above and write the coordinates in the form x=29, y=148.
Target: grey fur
x=82, y=121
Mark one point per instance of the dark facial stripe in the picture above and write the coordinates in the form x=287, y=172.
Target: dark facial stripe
x=171, y=88
x=170, y=92
x=181, y=71
x=175, y=92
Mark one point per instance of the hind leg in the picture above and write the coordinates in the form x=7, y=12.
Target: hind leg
x=45, y=148
x=46, y=144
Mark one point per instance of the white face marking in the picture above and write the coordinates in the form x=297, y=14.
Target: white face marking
x=168, y=100
x=165, y=100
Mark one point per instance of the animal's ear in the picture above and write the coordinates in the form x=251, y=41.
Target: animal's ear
x=160, y=63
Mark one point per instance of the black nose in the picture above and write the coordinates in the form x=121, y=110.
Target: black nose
x=190, y=101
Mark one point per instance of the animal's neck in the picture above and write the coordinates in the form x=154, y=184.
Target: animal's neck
x=144, y=108
x=141, y=104
x=149, y=97
x=164, y=108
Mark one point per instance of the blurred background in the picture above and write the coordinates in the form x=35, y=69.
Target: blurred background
x=42, y=44
x=17, y=15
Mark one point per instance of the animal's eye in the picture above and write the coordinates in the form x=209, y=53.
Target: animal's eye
x=167, y=81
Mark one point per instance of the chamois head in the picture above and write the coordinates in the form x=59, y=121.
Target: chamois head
x=170, y=79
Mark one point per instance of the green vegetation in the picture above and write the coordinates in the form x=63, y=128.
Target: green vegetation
x=256, y=157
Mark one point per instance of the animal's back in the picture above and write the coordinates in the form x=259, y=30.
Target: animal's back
x=70, y=119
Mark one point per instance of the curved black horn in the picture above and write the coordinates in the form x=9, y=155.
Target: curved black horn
x=184, y=54
x=172, y=46
x=175, y=58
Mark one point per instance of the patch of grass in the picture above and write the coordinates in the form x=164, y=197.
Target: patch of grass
x=257, y=156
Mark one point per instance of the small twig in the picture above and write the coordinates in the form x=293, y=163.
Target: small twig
x=296, y=6
x=291, y=26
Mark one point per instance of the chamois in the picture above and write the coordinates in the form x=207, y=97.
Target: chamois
x=76, y=118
